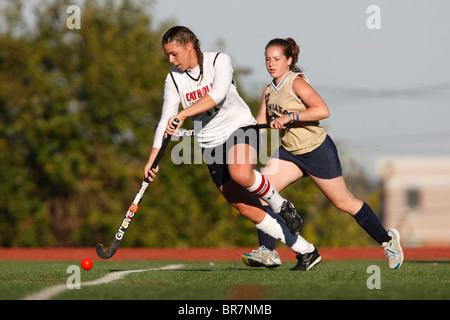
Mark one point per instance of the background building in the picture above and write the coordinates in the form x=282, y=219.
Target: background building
x=417, y=199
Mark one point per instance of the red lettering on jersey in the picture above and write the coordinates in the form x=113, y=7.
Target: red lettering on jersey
x=197, y=94
x=191, y=96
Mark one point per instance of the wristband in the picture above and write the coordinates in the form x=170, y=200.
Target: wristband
x=291, y=116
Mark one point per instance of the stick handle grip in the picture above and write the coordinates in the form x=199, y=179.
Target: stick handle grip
x=166, y=141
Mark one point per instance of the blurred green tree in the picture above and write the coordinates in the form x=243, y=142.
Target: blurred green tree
x=78, y=109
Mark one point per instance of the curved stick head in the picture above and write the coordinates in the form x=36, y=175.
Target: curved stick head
x=105, y=254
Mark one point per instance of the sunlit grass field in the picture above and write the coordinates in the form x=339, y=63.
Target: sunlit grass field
x=203, y=280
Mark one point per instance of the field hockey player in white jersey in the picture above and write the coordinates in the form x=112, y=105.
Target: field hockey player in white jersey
x=202, y=82
x=306, y=149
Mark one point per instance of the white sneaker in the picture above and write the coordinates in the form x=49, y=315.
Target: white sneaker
x=393, y=250
x=262, y=257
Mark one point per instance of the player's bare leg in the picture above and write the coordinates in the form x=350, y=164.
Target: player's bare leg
x=336, y=190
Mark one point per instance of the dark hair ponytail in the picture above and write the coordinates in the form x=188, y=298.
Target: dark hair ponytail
x=182, y=35
x=290, y=50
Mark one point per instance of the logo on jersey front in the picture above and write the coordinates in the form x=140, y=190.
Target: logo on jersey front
x=274, y=109
x=193, y=96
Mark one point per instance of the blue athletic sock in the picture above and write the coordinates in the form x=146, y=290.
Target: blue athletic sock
x=367, y=219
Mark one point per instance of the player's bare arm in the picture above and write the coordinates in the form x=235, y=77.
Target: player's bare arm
x=316, y=108
x=150, y=174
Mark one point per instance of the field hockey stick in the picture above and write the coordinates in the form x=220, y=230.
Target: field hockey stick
x=262, y=126
x=106, y=254
x=191, y=133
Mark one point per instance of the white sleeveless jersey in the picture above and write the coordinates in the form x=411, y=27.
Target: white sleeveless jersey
x=213, y=127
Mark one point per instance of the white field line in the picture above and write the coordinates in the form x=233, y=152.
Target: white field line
x=50, y=292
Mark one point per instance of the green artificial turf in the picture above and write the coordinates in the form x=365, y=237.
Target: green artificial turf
x=200, y=280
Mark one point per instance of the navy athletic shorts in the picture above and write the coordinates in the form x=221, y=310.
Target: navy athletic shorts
x=323, y=162
x=216, y=158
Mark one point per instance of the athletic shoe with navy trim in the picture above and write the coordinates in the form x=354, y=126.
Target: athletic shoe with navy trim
x=262, y=257
x=293, y=220
x=393, y=250
x=307, y=261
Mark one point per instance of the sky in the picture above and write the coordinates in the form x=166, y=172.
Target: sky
x=383, y=72
x=387, y=88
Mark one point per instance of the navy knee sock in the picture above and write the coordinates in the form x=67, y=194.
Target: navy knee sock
x=367, y=219
x=266, y=240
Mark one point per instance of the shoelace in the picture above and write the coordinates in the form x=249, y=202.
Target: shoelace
x=390, y=252
x=259, y=251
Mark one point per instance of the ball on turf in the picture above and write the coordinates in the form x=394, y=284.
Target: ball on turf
x=86, y=263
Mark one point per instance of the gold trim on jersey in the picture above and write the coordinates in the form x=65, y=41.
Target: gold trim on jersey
x=301, y=137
